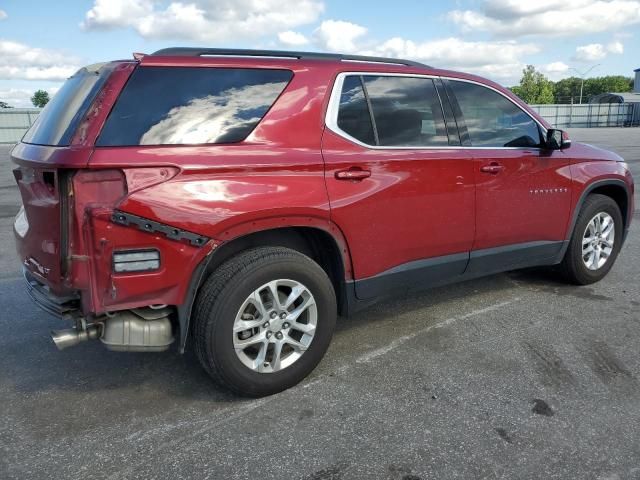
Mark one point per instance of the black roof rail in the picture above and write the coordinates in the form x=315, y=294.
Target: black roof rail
x=241, y=52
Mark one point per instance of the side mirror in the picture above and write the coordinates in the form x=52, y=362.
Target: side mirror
x=557, y=139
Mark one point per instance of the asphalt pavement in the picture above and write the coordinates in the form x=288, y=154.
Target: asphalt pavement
x=511, y=376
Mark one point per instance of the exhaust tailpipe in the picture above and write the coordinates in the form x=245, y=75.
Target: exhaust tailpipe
x=72, y=336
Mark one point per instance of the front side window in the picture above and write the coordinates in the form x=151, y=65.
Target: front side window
x=191, y=105
x=492, y=120
x=392, y=111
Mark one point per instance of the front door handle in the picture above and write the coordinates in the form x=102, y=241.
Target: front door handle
x=493, y=168
x=353, y=173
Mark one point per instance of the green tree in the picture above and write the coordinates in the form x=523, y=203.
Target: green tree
x=568, y=89
x=40, y=98
x=534, y=87
x=611, y=83
x=4, y=105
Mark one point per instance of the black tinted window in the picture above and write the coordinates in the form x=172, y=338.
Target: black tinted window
x=492, y=120
x=189, y=105
x=58, y=121
x=406, y=111
x=353, y=114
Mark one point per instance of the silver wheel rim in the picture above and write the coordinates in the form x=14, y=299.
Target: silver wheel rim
x=597, y=241
x=275, y=326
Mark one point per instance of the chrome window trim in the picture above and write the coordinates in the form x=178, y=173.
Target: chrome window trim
x=331, y=116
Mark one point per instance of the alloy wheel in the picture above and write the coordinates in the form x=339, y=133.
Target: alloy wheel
x=597, y=241
x=275, y=326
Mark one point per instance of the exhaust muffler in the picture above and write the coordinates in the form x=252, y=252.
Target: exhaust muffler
x=138, y=330
x=72, y=336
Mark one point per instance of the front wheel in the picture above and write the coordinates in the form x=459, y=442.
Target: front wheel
x=596, y=241
x=264, y=320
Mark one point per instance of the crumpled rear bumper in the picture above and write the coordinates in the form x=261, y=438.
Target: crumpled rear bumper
x=58, y=306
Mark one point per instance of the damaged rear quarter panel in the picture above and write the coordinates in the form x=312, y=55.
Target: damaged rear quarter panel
x=275, y=178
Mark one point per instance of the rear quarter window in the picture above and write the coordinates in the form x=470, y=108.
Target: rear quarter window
x=58, y=121
x=191, y=105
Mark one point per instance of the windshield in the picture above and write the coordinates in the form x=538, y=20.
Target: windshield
x=58, y=121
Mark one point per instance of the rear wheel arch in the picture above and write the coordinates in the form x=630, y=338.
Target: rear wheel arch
x=326, y=246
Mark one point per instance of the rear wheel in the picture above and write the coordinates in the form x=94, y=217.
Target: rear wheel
x=264, y=320
x=596, y=241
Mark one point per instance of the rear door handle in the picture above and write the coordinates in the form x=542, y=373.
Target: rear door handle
x=353, y=173
x=493, y=168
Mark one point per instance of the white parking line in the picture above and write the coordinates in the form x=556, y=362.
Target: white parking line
x=372, y=355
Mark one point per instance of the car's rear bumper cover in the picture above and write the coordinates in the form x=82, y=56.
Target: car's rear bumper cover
x=43, y=297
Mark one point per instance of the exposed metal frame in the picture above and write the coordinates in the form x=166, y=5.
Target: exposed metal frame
x=331, y=116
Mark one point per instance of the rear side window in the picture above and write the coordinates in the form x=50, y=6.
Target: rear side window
x=58, y=121
x=492, y=120
x=392, y=111
x=191, y=105
x=406, y=111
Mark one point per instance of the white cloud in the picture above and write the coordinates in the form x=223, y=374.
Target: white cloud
x=21, y=97
x=202, y=20
x=615, y=47
x=455, y=52
x=16, y=97
x=20, y=61
x=548, y=17
x=499, y=60
x=292, y=39
x=517, y=8
x=597, y=51
x=338, y=35
x=496, y=59
x=555, y=70
x=590, y=53
x=3, y=14
x=555, y=67
x=107, y=14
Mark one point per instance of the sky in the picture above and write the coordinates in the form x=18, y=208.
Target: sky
x=43, y=42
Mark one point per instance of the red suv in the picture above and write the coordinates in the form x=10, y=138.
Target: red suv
x=236, y=201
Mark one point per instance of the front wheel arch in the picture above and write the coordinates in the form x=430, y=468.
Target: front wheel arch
x=615, y=188
x=608, y=187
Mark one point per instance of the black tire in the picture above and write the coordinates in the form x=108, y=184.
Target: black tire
x=573, y=268
x=221, y=297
